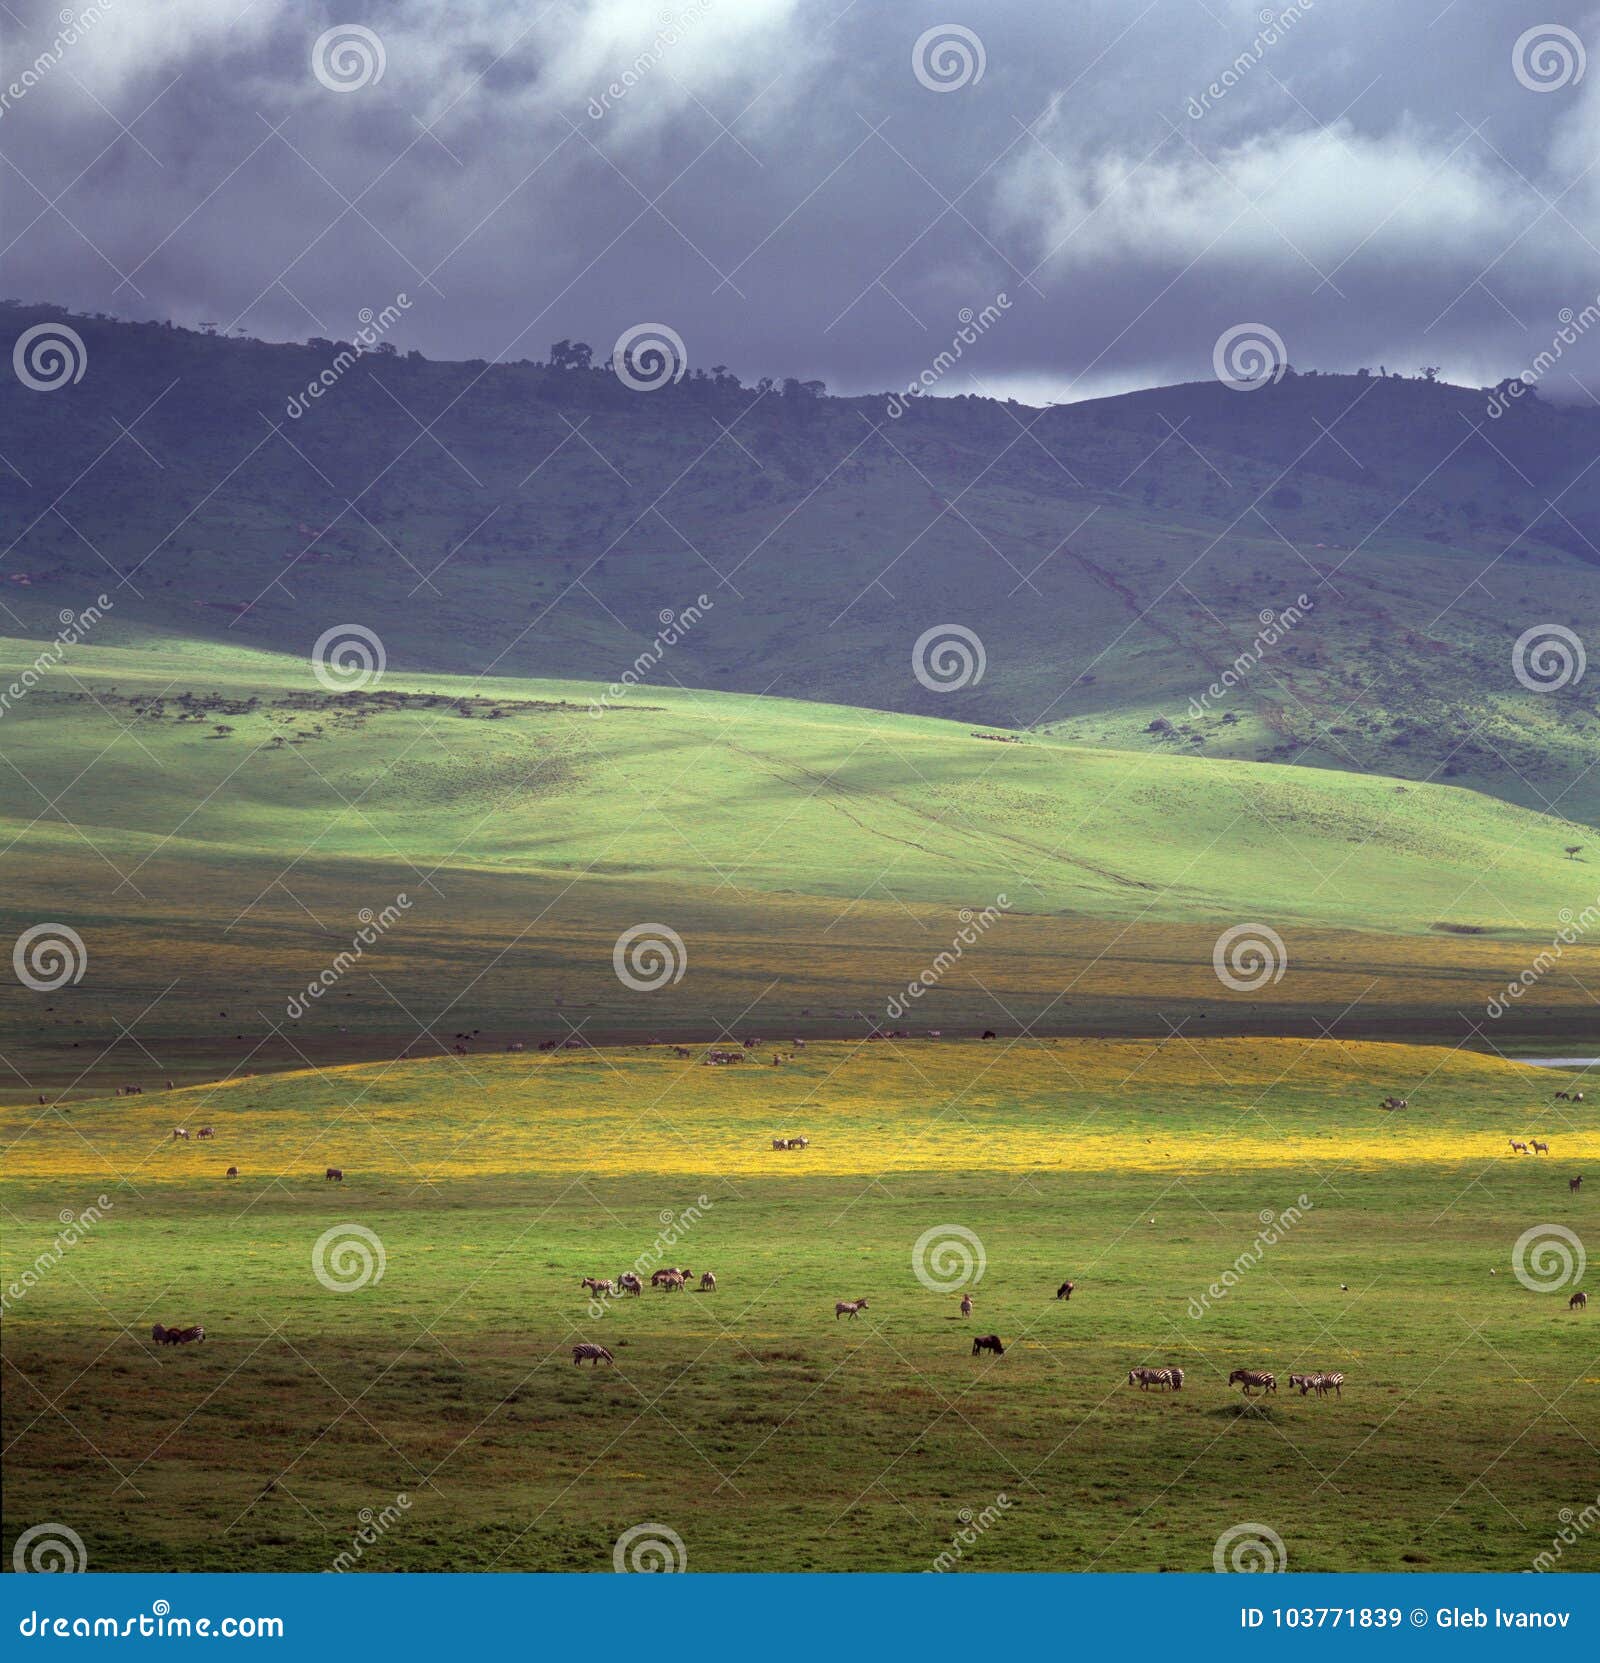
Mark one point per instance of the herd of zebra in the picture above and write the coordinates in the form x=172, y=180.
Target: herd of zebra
x=1248, y=1380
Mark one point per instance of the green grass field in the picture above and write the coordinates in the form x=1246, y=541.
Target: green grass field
x=750, y=1421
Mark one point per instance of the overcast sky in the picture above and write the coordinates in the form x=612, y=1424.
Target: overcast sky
x=796, y=189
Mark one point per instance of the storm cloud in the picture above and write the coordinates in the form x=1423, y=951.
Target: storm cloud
x=824, y=189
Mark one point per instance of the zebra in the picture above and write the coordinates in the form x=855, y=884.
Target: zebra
x=1515, y=1146
x=1574, y=1185
x=1320, y=1383
x=848, y=1307
x=178, y=1132
x=1539, y=1148
x=708, y=1282
x=1260, y=1379
x=586, y=1350
x=966, y=1304
x=671, y=1281
x=629, y=1283
x=598, y=1285
x=1145, y=1378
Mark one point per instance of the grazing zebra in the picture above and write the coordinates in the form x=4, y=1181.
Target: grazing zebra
x=629, y=1283
x=848, y=1308
x=587, y=1350
x=671, y=1282
x=682, y=1272
x=335, y=1174
x=1321, y=1383
x=598, y=1285
x=1302, y=1381
x=1540, y=1148
x=1144, y=1379
x=1574, y=1185
x=708, y=1282
x=1064, y=1291
x=988, y=1342
x=1579, y=1301
x=1515, y=1146
x=966, y=1304
x=178, y=1132
x=799, y=1143
x=1257, y=1379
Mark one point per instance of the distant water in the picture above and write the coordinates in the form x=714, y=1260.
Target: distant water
x=1560, y=1062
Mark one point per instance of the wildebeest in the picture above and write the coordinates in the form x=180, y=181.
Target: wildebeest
x=1259, y=1379
x=176, y=1336
x=708, y=1282
x=232, y=1172
x=848, y=1308
x=586, y=1349
x=1579, y=1301
x=988, y=1342
x=966, y=1304
x=1574, y=1185
x=1064, y=1291
x=205, y=1132
x=335, y=1174
x=598, y=1285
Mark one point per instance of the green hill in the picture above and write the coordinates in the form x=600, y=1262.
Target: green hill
x=1115, y=557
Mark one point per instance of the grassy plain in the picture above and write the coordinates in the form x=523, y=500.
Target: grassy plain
x=750, y=1421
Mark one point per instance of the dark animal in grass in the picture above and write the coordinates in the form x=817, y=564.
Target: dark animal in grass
x=176, y=1336
x=988, y=1342
x=335, y=1174
x=1064, y=1291
x=1574, y=1185
x=1579, y=1301
x=232, y=1172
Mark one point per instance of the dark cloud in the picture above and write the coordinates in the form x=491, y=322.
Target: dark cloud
x=1371, y=179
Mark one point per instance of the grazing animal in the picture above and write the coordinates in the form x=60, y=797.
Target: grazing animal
x=708, y=1282
x=598, y=1285
x=682, y=1272
x=1064, y=1291
x=988, y=1342
x=232, y=1172
x=629, y=1283
x=1321, y=1383
x=587, y=1350
x=966, y=1304
x=1579, y=1301
x=799, y=1143
x=176, y=1336
x=780, y=1143
x=1574, y=1185
x=848, y=1308
x=1515, y=1146
x=1144, y=1379
x=178, y=1132
x=672, y=1282
x=205, y=1132
x=1540, y=1148
x=1253, y=1379
x=1302, y=1381
x=335, y=1174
